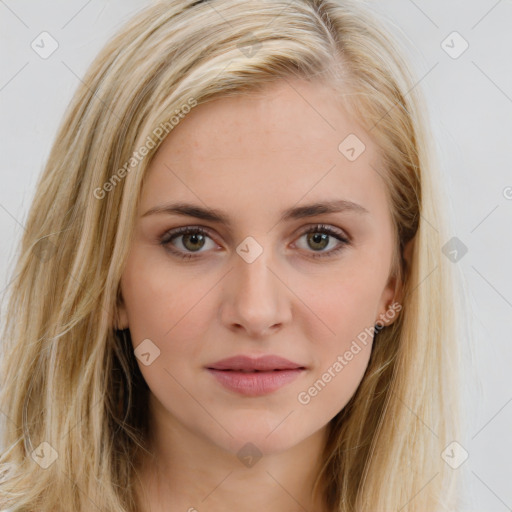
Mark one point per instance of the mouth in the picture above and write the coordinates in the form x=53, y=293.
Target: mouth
x=248, y=376
x=258, y=371
x=248, y=364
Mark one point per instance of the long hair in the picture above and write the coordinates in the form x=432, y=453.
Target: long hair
x=72, y=394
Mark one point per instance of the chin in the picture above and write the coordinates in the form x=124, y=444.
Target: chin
x=258, y=444
x=268, y=435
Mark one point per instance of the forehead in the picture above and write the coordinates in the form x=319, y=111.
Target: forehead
x=273, y=147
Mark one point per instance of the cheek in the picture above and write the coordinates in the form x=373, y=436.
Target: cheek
x=173, y=310
x=334, y=385
x=346, y=307
x=162, y=303
x=346, y=303
x=343, y=303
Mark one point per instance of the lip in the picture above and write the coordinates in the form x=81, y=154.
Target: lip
x=262, y=363
x=255, y=376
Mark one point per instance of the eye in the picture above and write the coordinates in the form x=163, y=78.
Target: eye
x=320, y=236
x=193, y=238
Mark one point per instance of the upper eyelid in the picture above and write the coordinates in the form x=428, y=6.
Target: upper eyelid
x=339, y=234
x=182, y=230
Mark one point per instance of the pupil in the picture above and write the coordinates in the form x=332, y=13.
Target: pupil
x=318, y=238
x=195, y=238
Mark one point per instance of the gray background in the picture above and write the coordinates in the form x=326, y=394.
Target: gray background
x=470, y=104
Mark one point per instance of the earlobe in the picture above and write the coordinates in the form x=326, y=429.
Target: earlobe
x=387, y=314
x=406, y=261
x=390, y=315
x=393, y=294
x=387, y=298
x=121, y=315
x=407, y=253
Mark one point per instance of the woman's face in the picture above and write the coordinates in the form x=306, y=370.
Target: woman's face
x=274, y=277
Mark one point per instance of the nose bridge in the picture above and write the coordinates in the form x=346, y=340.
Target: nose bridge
x=252, y=271
x=257, y=298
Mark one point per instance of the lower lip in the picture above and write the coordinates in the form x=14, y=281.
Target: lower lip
x=255, y=383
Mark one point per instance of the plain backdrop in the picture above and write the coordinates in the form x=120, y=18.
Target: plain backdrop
x=469, y=95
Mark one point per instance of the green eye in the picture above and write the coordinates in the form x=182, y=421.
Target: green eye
x=195, y=238
x=318, y=238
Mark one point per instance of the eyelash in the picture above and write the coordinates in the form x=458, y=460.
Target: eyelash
x=187, y=230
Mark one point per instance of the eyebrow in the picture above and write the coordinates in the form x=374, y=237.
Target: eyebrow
x=298, y=212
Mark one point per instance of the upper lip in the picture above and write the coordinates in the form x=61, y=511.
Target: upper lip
x=263, y=363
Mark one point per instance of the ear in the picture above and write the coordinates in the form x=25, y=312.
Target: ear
x=121, y=313
x=392, y=296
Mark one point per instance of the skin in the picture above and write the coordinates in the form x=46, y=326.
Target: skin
x=252, y=157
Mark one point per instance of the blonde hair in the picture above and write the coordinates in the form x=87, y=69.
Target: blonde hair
x=70, y=379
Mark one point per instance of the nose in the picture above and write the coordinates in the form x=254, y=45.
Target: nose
x=255, y=298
